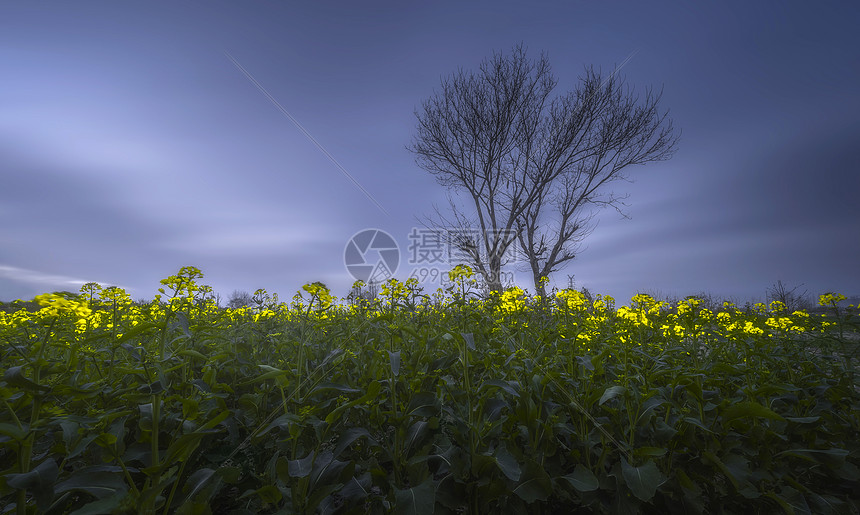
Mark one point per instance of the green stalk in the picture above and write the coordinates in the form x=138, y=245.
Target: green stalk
x=175, y=486
x=155, y=479
x=27, y=448
x=393, y=385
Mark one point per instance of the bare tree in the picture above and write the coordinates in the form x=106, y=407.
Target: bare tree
x=791, y=298
x=533, y=168
x=587, y=140
x=239, y=299
x=473, y=136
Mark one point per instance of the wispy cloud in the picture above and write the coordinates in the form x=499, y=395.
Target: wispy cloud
x=34, y=277
x=304, y=131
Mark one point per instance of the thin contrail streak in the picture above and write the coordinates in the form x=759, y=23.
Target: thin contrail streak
x=618, y=68
x=304, y=131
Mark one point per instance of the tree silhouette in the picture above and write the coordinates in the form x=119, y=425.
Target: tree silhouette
x=532, y=168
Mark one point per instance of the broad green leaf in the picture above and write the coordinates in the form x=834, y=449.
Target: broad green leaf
x=282, y=422
x=394, y=360
x=269, y=494
x=803, y=420
x=649, y=406
x=642, y=481
x=40, y=481
x=508, y=464
x=372, y=391
x=535, y=483
x=696, y=422
x=153, y=388
x=214, y=421
x=301, y=467
x=355, y=490
x=271, y=373
x=104, y=506
x=611, y=393
x=687, y=483
x=654, y=452
x=145, y=421
x=197, y=481
x=582, y=479
x=326, y=470
x=748, y=409
x=833, y=458
x=192, y=354
x=135, y=331
x=99, y=484
x=414, y=436
x=14, y=376
x=469, y=339
x=202, y=385
x=507, y=386
x=181, y=448
x=331, y=387
x=791, y=501
x=585, y=362
x=13, y=431
x=739, y=483
x=419, y=500
x=423, y=404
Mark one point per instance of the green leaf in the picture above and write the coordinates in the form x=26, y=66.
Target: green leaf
x=611, y=393
x=348, y=437
x=735, y=468
x=469, y=339
x=331, y=387
x=535, y=484
x=696, y=422
x=415, y=435
x=326, y=470
x=155, y=387
x=648, y=406
x=423, y=404
x=301, y=467
x=372, y=391
x=654, y=452
x=394, y=359
x=748, y=409
x=419, y=500
x=833, y=458
x=181, y=448
x=40, y=481
x=102, y=506
x=642, y=481
x=192, y=354
x=803, y=420
x=508, y=464
x=196, y=482
x=283, y=422
x=582, y=479
x=13, y=431
x=271, y=373
x=100, y=484
x=14, y=376
x=136, y=330
x=269, y=494
x=507, y=386
x=145, y=421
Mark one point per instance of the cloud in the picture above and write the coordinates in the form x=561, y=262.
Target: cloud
x=248, y=239
x=36, y=278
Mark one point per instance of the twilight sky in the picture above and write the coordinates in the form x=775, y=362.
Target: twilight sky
x=131, y=144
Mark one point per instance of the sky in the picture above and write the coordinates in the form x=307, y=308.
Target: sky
x=138, y=138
